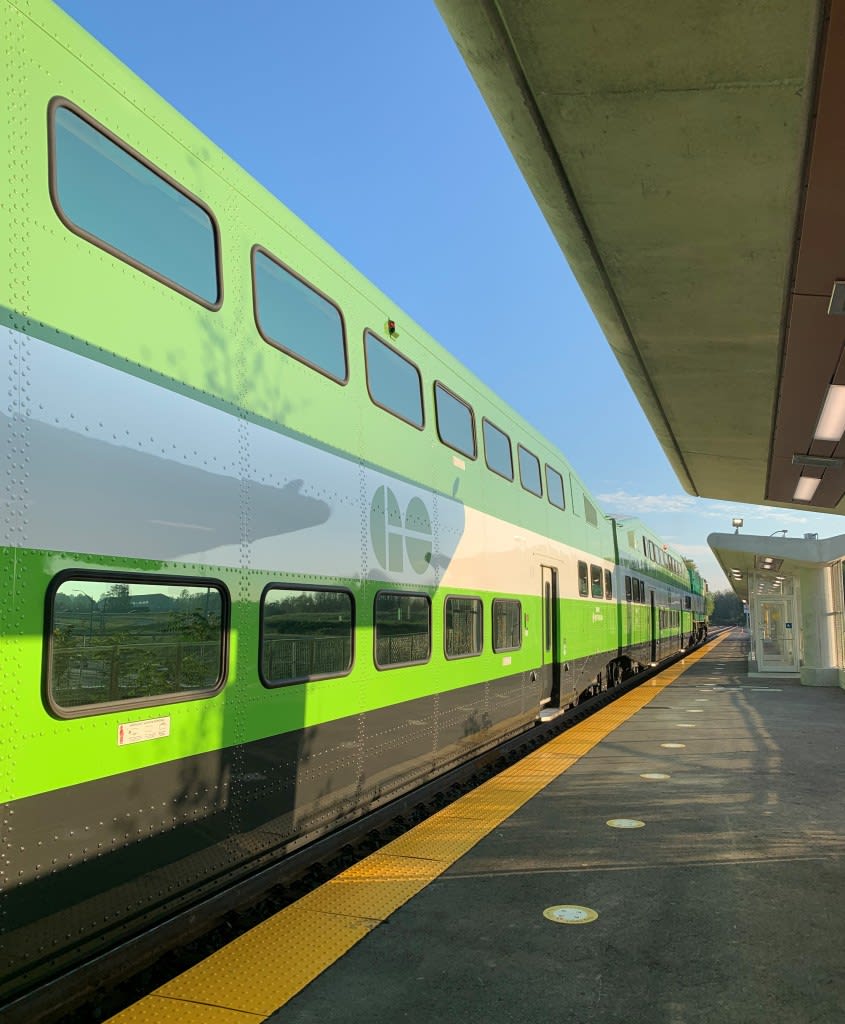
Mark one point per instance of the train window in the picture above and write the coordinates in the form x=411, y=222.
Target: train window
x=554, y=488
x=688, y=603
x=596, y=588
x=306, y=633
x=393, y=381
x=583, y=584
x=463, y=627
x=455, y=421
x=292, y=315
x=110, y=195
x=402, y=629
x=507, y=625
x=642, y=591
x=608, y=585
x=529, y=471
x=628, y=591
x=133, y=640
x=497, y=450
x=590, y=512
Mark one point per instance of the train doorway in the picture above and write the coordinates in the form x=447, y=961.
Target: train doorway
x=551, y=637
x=653, y=657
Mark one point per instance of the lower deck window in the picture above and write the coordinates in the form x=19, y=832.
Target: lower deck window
x=583, y=584
x=306, y=633
x=402, y=629
x=507, y=625
x=133, y=640
x=463, y=627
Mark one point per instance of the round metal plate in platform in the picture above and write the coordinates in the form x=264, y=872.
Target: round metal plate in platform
x=626, y=823
x=567, y=913
x=673, y=746
x=654, y=776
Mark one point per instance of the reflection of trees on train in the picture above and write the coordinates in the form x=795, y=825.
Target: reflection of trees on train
x=306, y=633
x=127, y=643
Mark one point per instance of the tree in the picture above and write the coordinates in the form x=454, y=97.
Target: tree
x=727, y=609
x=116, y=598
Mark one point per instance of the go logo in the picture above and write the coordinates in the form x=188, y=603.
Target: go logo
x=393, y=537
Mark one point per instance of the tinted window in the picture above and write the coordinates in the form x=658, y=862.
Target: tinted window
x=107, y=193
x=293, y=316
x=132, y=639
x=455, y=424
x=402, y=629
x=590, y=513
x=583, y=584
x=497, y=450
x=554, y=488
x=608, y=585
x=628, y=588
x=529, y=471
x=462, y=627
x=393, y=381
x=305, y=634
x=596, y=589
x=507, y=625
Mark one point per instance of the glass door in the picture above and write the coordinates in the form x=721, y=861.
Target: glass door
x=775, y=636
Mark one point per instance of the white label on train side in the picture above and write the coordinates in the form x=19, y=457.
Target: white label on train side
x=458, y=462
x=139, y=732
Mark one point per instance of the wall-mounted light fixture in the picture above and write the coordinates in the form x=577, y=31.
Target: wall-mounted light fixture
x=818, y=461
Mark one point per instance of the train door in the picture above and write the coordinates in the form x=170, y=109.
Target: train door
x=653, y=658
x=550, y=690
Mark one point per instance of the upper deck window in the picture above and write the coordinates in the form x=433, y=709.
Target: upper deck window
x=393, y=381
x=497, y=450
x=554, y=488
x=111, y=196
x=295, y=317
x=455, y=421
x=529, y=471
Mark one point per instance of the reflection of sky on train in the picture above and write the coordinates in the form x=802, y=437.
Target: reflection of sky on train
x=366, y=123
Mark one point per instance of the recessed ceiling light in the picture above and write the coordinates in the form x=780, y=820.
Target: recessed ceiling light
x=831, y=423
x=836, y=306
x=807, y=485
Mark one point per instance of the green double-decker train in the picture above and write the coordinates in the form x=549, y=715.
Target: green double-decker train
x=270, y=556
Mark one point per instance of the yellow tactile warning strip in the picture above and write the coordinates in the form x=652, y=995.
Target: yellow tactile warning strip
x=254, y=975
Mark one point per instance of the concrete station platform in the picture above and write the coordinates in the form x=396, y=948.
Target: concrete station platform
x=727, y=905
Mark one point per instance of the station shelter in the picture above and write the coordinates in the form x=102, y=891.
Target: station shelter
x=794, y=592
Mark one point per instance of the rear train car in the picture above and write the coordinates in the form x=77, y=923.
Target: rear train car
x=270, y=556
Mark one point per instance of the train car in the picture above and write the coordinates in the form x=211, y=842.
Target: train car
x=270, y=556
x=664, y=607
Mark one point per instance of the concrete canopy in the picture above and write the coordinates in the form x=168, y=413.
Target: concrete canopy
x=766, y=560
x=686, y=154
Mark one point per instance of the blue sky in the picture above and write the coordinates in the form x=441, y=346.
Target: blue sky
x=362, y=119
